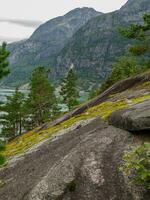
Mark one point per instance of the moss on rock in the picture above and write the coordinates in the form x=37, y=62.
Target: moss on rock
x=103, y=110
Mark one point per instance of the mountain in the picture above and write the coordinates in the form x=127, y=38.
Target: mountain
x=97, y=44
x=83, y=37
x=45, y=43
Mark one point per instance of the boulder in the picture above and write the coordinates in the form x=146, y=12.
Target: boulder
x=136, y=118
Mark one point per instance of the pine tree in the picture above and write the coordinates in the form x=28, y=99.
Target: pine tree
x=13, y=117
x=3, y=72
x=69, y=91
x=2, y=148
x=3, y=60
x=42, y=100
x=141, y=49
x=137, y=58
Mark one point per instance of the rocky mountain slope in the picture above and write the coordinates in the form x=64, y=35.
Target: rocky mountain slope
x=83, y=37
x=96, y=45
x=78, y=156
x=45, y=43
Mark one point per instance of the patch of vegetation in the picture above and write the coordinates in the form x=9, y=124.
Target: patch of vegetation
x=137, y=165
x=2, y=157
x=69, y=90
x=31, y=138
x=140, y=99
x=3, y=60
x=137, y=58
x=2, y=183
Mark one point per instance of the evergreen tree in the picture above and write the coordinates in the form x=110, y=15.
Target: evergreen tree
x=13, y=117
x=137, y=59
x=3, y=60
x=42, y=100
x=2, y=148
x=3, y=72
x=68, y=90
x=141, y=49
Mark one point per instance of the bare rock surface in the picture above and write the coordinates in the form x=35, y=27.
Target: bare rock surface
x=81, y=165
x=136, y=118
x=118, y=87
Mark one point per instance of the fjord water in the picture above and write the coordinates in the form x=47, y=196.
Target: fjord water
x=4, y=92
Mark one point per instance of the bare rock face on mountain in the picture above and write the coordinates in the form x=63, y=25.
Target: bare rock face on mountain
x=137, y=118
x=94, y=47
x=45, y=43
x=83, y=37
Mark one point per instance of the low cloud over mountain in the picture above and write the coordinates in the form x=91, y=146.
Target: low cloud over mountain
x=27, y=23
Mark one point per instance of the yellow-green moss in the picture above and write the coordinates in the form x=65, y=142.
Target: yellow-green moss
x=141, y=98
x=103, y=110
x=145, y=85
x=2, y=183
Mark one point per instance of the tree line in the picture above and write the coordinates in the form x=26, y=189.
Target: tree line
x=22, y=113
x=136, y=58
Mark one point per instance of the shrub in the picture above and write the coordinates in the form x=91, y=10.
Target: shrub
x=2, y=159
x=2, y=148
x=137, y=165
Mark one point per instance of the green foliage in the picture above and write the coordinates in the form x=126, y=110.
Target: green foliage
x=42, y=103
x=123, y=68
x=137, y=59
x=136, y=31
x=137, y=165
x=3, y=72
x=2, y=159
x=69, y=91
x=2, y=148
x=3, y=61
x=93, y=93
x=13, y=117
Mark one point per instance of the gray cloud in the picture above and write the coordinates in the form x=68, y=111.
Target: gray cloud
x=10, y=39
x=26, y=23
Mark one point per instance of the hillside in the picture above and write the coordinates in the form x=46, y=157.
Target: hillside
x=44, y=44
x=83, y=37
x=78, y=155
x=96, y=45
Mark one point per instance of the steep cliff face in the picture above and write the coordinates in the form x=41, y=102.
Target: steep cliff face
x=96, y=45
x=45, y=43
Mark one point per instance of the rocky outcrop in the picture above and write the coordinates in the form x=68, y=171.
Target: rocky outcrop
x=136, y=118
x=116, y=88
x=78, y=156
x=82, y=164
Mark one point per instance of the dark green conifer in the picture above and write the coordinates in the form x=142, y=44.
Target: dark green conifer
x=68, y=90
x=42, y=100
x=3, y=60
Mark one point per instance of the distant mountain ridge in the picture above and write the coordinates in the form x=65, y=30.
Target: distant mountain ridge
x=45, y=43
x=83, y=37
x=97, y=44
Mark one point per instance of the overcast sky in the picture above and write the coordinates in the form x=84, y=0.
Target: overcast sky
x=19, y=18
